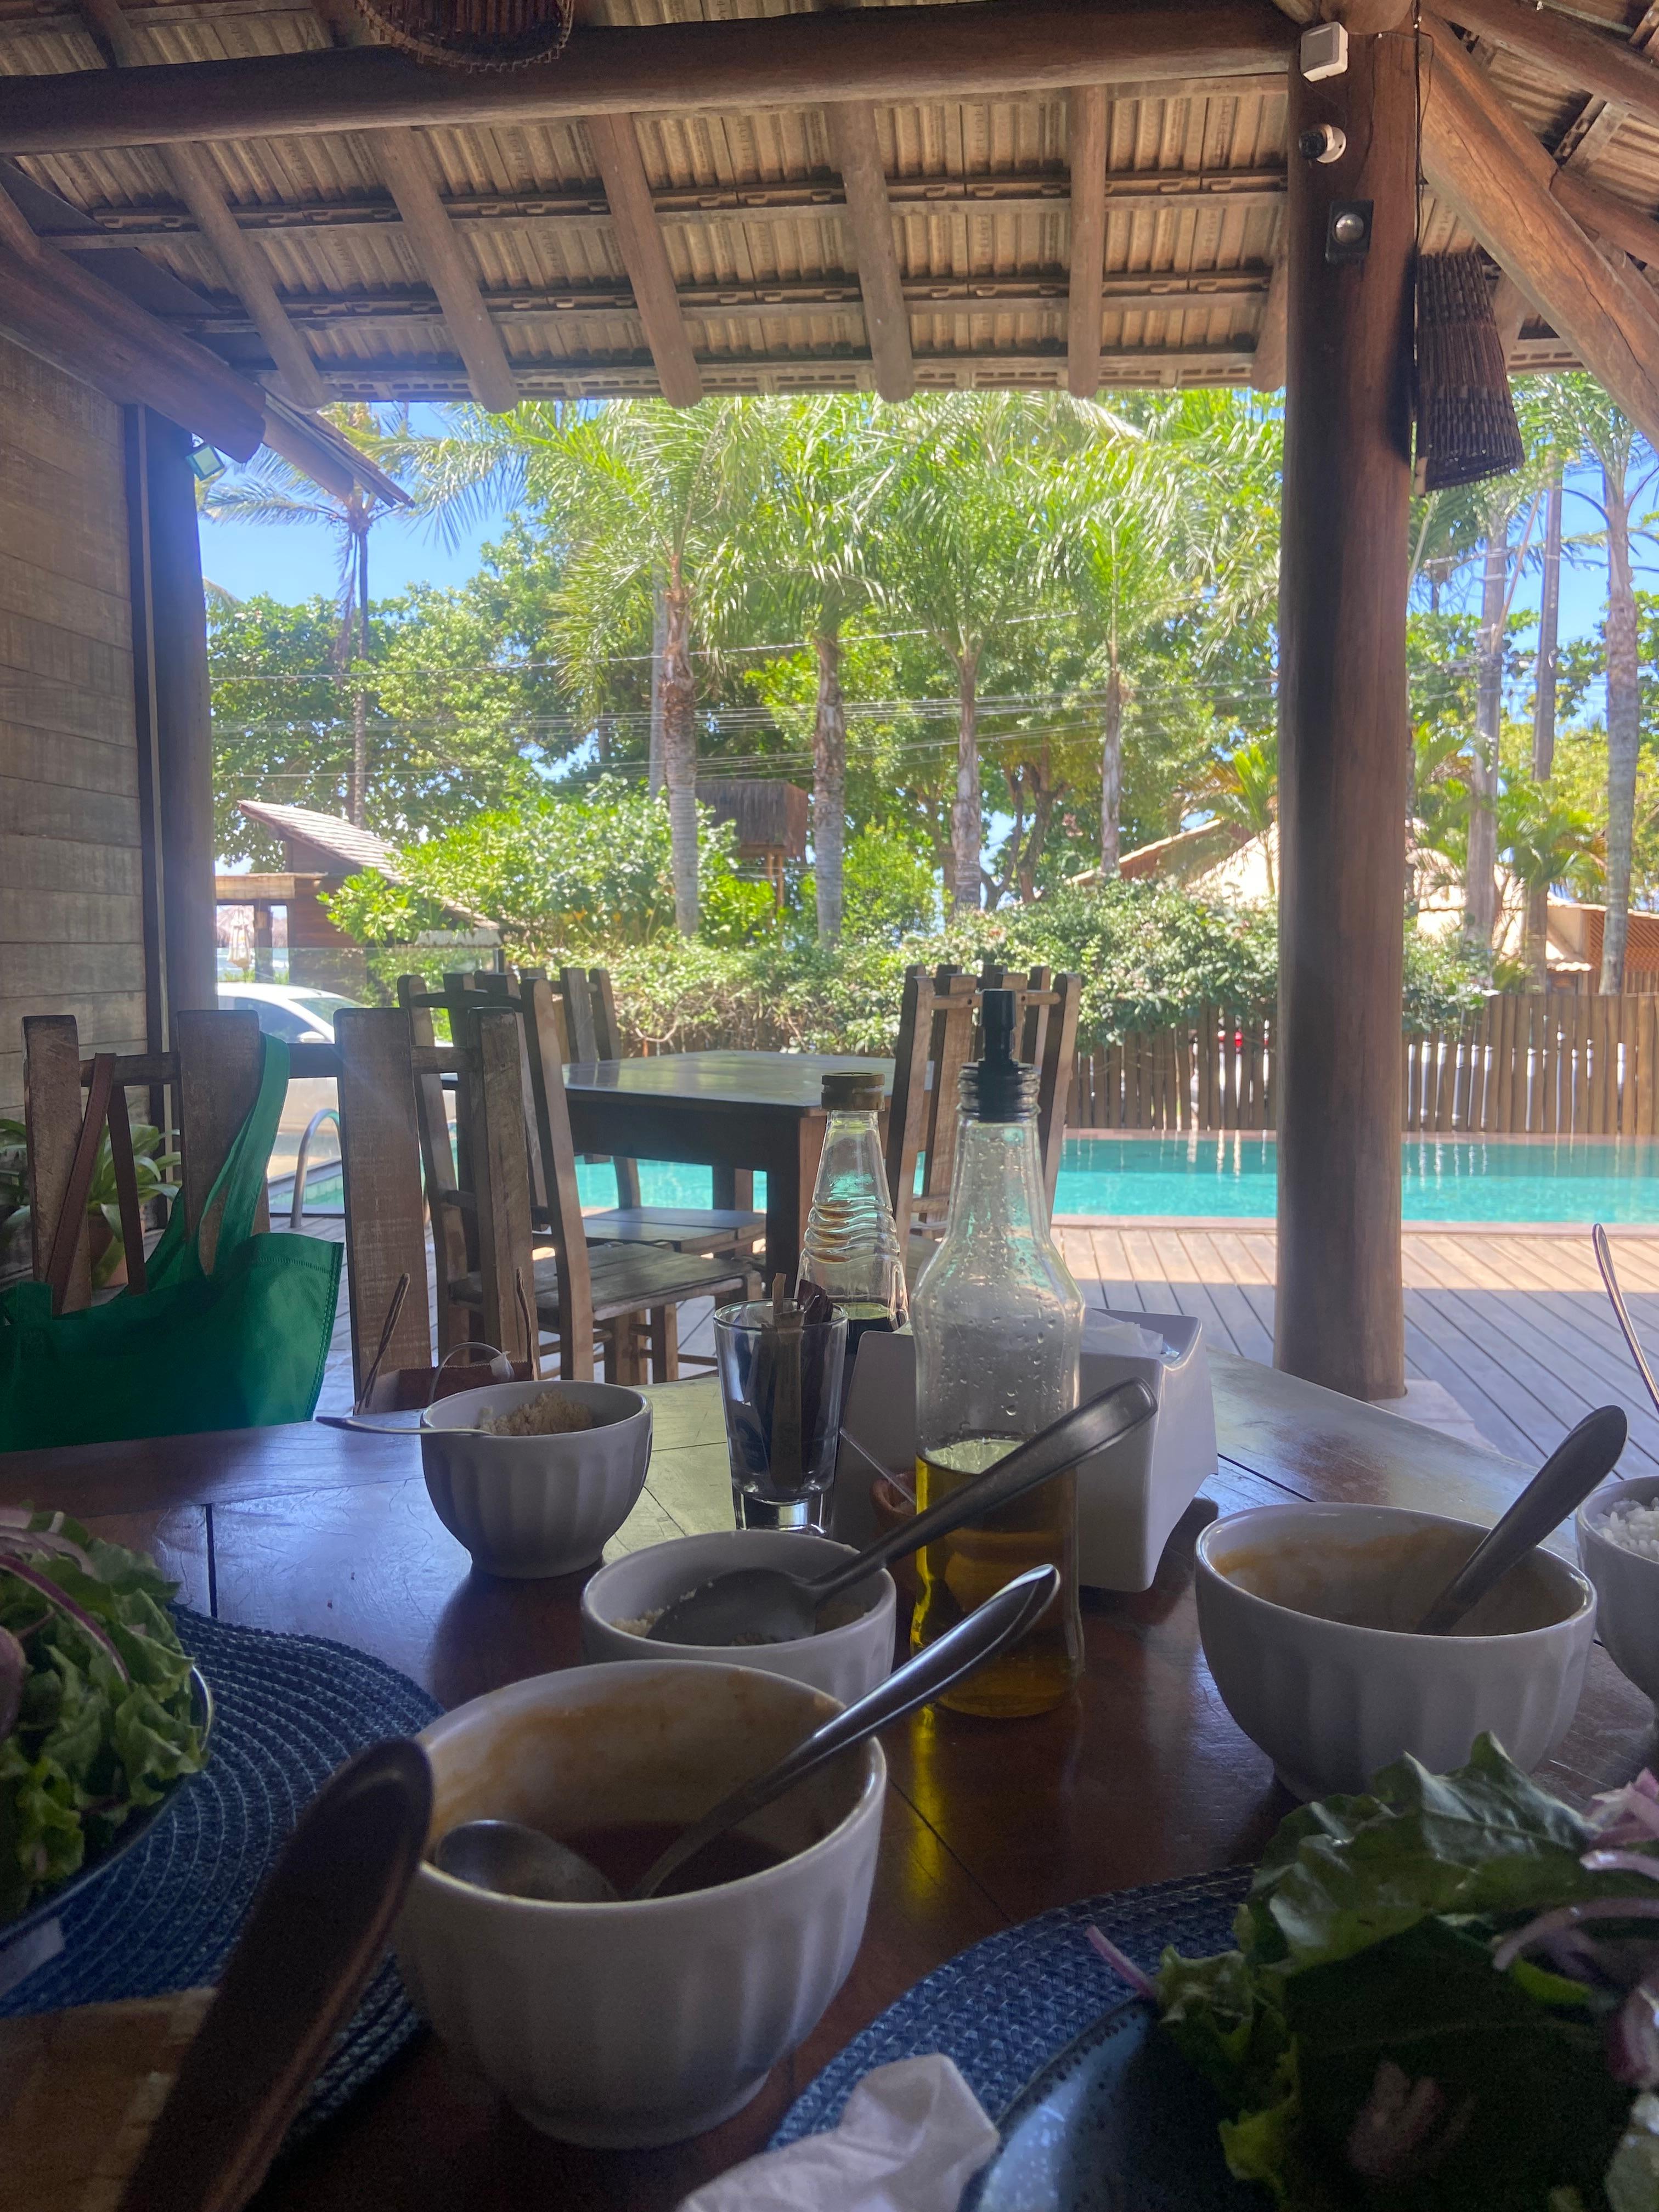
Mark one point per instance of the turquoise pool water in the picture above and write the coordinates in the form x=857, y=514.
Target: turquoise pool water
x=1446, y=1179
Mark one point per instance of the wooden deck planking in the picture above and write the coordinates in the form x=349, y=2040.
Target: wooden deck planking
x=1516, y=1326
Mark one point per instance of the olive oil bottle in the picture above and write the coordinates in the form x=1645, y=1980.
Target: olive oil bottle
x=998, y=1322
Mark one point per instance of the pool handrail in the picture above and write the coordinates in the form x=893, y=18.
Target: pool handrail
x=297, y=1203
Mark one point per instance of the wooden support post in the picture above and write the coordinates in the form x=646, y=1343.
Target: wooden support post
x=856, y=152
x=1086, y=132
x=645, y=257
x=151, y=828
x=406, y=166
x=184, y=733
x=1343, y=731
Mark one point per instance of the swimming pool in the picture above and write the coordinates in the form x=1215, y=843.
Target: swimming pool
x=1232, y=1175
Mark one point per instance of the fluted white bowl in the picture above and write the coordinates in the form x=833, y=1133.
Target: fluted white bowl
x=628, y=2025
x=845, y=1660
x=530, y=1506
x=1330, y=1702
x=1626, y=1584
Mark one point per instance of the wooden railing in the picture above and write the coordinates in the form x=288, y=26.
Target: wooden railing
x=1528, y=1063
x=1214, y=1073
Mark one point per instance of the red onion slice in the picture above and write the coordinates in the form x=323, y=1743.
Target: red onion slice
x=65, y=1604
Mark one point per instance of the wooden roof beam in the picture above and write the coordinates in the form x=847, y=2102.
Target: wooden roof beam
x=56, y=307
x=645, y=257
x=406, y=166
x=1085, y=131
x=407, y=171
x=856, y=152
x=1268, y=365
x=193, y=180
x=783, y=61
x=1570, y=51
x=1484, y=161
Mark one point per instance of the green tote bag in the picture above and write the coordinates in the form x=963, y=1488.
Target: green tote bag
x=240, y=1347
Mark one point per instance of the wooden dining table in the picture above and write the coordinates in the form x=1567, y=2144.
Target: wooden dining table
x=1142, y=1775
x=736, y=1112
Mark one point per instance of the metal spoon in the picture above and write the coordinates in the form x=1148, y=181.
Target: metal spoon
x=768, y=1604
x=522, y=1862
x=1565, y=1480
x=1620, y=1311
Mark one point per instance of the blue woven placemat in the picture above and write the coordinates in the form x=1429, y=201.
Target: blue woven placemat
x=1005, y=2007
x=288, y=1711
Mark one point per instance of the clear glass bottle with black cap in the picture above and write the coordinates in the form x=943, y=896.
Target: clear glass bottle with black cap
x=851, y=1248
x=998, y=1324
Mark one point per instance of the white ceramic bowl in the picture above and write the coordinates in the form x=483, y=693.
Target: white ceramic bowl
x=846, y=1661
x=535, y=1505
x=629, y=2025
x=1329, y=1702
x=1626, y=1585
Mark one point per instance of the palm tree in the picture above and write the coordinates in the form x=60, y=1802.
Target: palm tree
x=269, y=490
x=1242, y=790
x=956, y=547
x=1547, y=840
x=1159, y=517
x=810, y=472
x=1585, y=421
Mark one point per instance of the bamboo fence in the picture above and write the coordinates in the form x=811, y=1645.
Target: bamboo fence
x=1526, y=1064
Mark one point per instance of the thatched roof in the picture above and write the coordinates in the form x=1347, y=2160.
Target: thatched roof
x=719, y=246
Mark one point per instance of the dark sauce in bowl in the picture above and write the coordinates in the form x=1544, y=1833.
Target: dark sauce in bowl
x=627, y=1852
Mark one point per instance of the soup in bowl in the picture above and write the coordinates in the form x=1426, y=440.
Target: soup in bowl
x=629, y=2024
x=1308, y=1616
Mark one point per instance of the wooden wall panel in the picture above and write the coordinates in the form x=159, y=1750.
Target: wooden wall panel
x=72, y=924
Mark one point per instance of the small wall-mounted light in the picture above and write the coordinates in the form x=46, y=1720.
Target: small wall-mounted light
x=1348, y=230
x=206, y=463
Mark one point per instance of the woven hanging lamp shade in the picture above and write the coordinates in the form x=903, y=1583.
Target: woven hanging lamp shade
x=477, y=34
x=1466, y=425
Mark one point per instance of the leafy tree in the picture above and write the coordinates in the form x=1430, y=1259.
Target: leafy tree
x=1545, y=839
x=1243, y=791
x=270, y=489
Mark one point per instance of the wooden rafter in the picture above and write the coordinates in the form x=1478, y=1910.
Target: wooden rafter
x=1267, y=363
x=1571, y=50
x=407, y=170
x=1086, y=136
x=644, y=255
x=1483, y=161
x=1594, y=129
x=193, y=180
x=53, y=305
x=856, y=151
x=781, y=61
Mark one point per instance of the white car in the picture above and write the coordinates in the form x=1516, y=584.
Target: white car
x=287, y=1010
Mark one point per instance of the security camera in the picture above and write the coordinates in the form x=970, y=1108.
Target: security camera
x=1325, y=142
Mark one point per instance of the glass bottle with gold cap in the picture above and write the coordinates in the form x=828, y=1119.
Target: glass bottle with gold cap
x=998, y=1323
x=851, y=1248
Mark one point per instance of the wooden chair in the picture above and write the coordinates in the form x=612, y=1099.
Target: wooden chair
x=590, y=1013
x=212, y=1078
x=939, y=1026
x=507, y=1180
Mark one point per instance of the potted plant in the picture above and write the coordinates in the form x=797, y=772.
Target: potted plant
x=151, y=1167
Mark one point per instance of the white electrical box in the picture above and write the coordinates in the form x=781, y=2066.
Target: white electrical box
x=1324, y=50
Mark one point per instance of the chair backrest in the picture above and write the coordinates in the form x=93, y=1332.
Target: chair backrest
x=454, y=1233
x=909, y=1104
x=381, y=1148
x=956, y=1010
x=608, y=1045
x=213, y=1076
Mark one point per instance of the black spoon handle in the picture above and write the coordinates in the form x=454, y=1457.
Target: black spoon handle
x=1565, y=1480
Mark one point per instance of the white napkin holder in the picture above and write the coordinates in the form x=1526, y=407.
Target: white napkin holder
x=1128, y=1498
